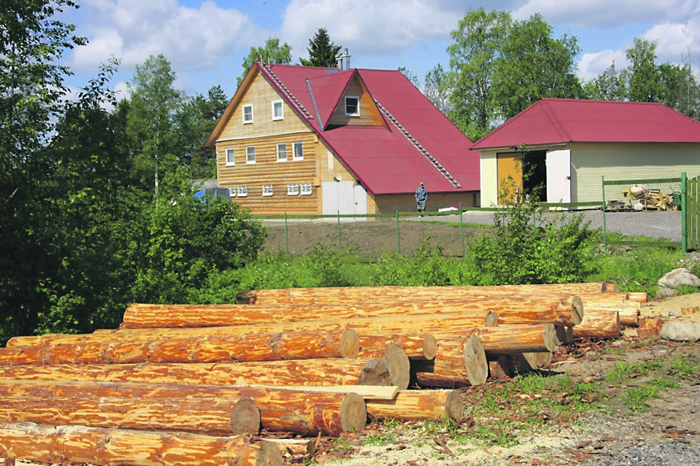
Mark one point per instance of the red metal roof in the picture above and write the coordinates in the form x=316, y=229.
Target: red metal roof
x=385, y=161
x=555, y=121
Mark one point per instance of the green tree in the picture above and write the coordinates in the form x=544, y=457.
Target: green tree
x=473, y=58
x=644, y=76
x=150, y=121
x=679, y=88
x=611, y=85
x=411, y=76
x=534, y=65
x=438, y=87
x=322, y=52
x=272, y=52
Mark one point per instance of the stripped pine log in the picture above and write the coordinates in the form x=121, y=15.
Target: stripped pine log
x=211, y=417
x=526, y=362
x=506, y=339
x=565, y=334
x=415, y=293
x=199, y=349
x=640, y=297
x=189, y=316
x=278, y=409
x=416, y=405
x=398, y=364
x=302, y=372
x=499, y=366
x=602, y=324
x=416, y=346
x=295, y=449
x=363, y=326
x=457, y=365
x=367, y=392
x=629, y=312
x=98, y=446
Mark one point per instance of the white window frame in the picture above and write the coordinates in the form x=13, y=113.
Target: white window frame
x=294, y=151
x=292, y=190
x=281, y=115
x=356, y=114
x=286, y=156
x=232, y=160
x=305, y=190
x=243, y=191
x=247, y=121
x=232, y=191
x=248, y=151
x=267, y=190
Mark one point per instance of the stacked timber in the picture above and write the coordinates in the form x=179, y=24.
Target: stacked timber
x=186, y=384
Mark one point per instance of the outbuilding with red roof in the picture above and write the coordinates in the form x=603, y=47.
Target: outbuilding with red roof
x=308, y=140
x=568, y=145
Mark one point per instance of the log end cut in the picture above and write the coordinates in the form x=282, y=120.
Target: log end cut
x=375, y=372
x=398, y=364
x=576, y=310
x=353, y=413
x=491, y=319
x=269, y=455
x=349, y=344
x=551, y=340
x=429, y=347
x=245, y=417
x=454, y=406
x=475, y=361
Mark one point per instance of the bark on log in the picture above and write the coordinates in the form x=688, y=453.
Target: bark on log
x=212, y=417
x=308, y=372
x=297, y=411
x=197, y=349
x=602, y=324
x=458, y=364
x=416, y=346
x=190, y=316
x=415, y=293
x=80, y=445
x=506, y=339
x=417, y=405
x=363, y=326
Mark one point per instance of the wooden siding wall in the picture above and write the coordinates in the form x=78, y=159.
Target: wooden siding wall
x=489, y=179
x=388, y=203
x=369, y=114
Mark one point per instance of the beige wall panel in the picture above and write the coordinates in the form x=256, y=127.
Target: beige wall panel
x=387, y=204
x=489, y=179
x=261, y=94
x=627, y=162
x=369, y=113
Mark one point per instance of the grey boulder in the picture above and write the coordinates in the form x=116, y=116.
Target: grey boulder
x=674, y=279
x=680, y=331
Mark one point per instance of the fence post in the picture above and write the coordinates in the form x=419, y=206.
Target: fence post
x=605, y=225
x=398, y=232
x=461, y=227
x=339, y=246
x=286, y=232
x=684, y=213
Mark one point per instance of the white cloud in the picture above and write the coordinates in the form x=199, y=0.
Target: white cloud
x=593, y=64
x=605, y=14
x=675, y=40
x=369, y=27
x=192, y=39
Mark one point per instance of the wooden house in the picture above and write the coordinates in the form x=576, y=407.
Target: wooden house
x=568, y=145
x=306, y=140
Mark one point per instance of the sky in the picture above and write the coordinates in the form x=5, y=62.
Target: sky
x=206, y=41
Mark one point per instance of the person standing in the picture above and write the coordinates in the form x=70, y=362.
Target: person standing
x=421, y=197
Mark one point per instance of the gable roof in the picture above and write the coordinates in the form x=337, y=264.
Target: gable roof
x=556, y=121
x=384, y=161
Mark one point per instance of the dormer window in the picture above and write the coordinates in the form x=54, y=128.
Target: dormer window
x=247, y=114
x=277, y=110
x=352, y=106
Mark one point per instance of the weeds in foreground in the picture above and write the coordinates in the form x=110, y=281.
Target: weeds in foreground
x=636, y=398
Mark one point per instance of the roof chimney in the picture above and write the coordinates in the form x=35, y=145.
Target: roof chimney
x=344, y=61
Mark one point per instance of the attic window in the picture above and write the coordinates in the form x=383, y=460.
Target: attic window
x=247, y=114
x=277, y=110
x=352, y=106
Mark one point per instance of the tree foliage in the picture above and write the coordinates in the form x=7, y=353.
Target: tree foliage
x=644, y=76
x=322, y=52
x=271, y=52
x=438, y=88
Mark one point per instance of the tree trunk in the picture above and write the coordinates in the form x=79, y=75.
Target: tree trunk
x=414, y=293
x=190, y=316
x=418, y=405
x=78, y=445
x=278, y=409
x=458, y=364
x=211, y=417
x=196, y=349
x=506, y=339
x=602, y=324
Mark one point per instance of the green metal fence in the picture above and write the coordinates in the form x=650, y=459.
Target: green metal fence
x=692, y=214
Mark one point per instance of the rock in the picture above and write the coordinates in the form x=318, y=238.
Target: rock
x=680, y=331
x=674, y=279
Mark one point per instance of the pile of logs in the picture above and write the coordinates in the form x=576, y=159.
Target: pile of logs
x=195, y=384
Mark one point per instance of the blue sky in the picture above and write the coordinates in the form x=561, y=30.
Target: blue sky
x=206, y=41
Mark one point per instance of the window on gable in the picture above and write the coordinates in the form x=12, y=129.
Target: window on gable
x=298, y=151
x=267, y=190
x=250, y=154
x=352, y=106
x=305, y=189
x=230, y=160
x=247, y=114
x=277, y=110
x=282, y=152
x=243, y=191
